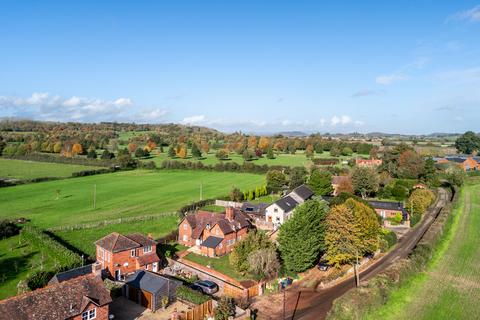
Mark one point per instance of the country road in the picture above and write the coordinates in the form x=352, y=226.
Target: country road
x=307, y=304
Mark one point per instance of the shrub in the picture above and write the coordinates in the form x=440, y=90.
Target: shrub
x=190, y=295
x=8, y=229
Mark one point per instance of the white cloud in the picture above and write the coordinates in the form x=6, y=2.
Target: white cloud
x=343, y=120
x=390, y=78
x=44, y=106
x=470, y=15
x=194, y=119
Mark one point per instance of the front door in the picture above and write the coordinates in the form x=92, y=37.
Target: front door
x=155, y=267
x=118, y=275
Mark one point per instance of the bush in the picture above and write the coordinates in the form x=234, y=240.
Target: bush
x=390, y=237
x=414, y=219
x=190, y=295
x=8, y=229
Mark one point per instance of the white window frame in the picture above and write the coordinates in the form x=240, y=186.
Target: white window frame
x=185, y=238
x=89, y=314
x=147, y=249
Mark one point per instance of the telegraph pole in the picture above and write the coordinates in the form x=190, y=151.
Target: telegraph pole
x=94, y=196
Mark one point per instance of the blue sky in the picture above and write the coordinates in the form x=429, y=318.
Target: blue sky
x=263, y=66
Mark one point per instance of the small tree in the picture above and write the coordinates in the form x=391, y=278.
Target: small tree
x=275, y=180
x=255, y=240
x=270, y=154
x=92, y=154
x=264, y=263
x=139, y=153
x=297, y=177
x=196, y=152
x=171, y=152
x=222, y=154
x=236, y=195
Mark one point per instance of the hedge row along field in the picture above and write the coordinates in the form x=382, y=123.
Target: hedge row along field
x=367, y=301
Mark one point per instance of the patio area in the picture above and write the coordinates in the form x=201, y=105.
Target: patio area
x=124, y=309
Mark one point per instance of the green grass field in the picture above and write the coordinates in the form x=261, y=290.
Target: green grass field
x=17, y=260
x=21, y=169
x=293, y=160
x=450, y=288
x=121, y=194
x=221, y=264
x=84, y=239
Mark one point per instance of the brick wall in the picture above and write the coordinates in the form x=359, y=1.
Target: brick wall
x=101, y=312
x=182, y=231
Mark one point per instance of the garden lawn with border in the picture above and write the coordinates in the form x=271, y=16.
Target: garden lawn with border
x=24, y=170
x=221, y=264
x=121, y=194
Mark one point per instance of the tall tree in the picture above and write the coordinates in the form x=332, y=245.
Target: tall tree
x=171, y=152
x=255, y=240
x=275, y=180
x=321, y=182
x=468, y=143
x=345, y=186
x=264, y=263
x=410, y=165
x=368, y=224
x=196, y=152
x=297, y=177
x=365, y=181
x=263, y=144
x=301, y=238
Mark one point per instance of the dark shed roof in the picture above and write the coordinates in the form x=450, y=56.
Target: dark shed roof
x=287, y=203
x=387, y=205
x=150, y=282
x=212, y=242
x=304, y=192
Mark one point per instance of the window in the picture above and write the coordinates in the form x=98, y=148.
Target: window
x=216, y=232
x=89, y=314
x=220, y=246
x=185, y=238
x=147, y=249
x=185, y=226
x=278, y=218
x=275, y=210
x=132, y=252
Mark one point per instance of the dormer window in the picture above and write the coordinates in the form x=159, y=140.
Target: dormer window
x=132, y=253
x=147, y=249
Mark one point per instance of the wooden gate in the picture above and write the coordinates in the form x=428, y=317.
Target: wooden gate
x=198, y=312
x=146, y=299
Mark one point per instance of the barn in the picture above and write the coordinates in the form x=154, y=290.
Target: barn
x=148, y=289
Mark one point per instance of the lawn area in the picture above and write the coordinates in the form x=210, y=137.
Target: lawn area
x=221, y=264
x=22, y=169
x=120, y=194
x=17, y=260
x=84, y=239
x=450, y=288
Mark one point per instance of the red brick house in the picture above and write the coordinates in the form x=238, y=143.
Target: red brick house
x=81, y=298
x=369, y=163
x=214, y=234
x=122, y=255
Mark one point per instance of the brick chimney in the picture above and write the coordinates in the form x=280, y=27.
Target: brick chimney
x=149, y=236
x=97, y=269
x=229, y=214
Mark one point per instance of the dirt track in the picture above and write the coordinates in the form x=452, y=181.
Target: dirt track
x=307, y=304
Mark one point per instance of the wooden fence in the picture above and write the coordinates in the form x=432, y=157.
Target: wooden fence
x=198, y=312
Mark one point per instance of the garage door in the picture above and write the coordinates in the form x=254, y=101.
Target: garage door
x=133, y=294
x=146, y=299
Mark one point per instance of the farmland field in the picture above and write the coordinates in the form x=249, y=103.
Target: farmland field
x=121, y=194
x=450, y=288
x=283, y=159
x=21, y=169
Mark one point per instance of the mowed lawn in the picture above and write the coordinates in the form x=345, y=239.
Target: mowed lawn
x=22, y=169
x=450, y=289
x=221, y=264
x=121, y=194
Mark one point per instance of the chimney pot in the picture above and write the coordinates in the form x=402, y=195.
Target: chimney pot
x=229, y=213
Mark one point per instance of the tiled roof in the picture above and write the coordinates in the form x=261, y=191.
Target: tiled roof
x=141, y=239
x=150, y=282
x=116, y=242
x=148, y=259
x=71, y=274
x=387, y=205
x=58, y=301
x=200, y=220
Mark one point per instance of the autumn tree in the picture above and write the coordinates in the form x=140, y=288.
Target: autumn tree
x=252, y=142
x=77, y=149
x=57, y=147
x=309, y=151
x=321, y=182
x=419, y=201
x=255, y=240
x=263, y=263
x=345, y=185
x=410, y=165
x=182, y=152
x=301, y=238
x=365, y=181
x=222, y=154
x=236, y=195
x=263, y=144
x=205, y=146
x=368, y=225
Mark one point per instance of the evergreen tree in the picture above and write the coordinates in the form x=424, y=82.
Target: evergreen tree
x=297, y=177
x=171, y=152
x=301, y=238
x=275, y=180
x=321, y=182
x=270, y=154
x=196, y=152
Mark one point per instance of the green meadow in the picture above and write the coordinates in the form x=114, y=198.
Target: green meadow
x=22, y=169
x=120, y=194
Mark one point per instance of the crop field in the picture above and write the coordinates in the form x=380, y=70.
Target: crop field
x=21, y=169
x=292, y=160
x=120, y=194
x=450, y=288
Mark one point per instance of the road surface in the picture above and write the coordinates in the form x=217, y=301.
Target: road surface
x=304, y=304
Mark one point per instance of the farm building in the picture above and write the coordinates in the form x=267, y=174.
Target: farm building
x=148, y=289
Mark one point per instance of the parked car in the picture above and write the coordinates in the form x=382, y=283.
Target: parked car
x=207, y=286
x=323, y=266
x=196, y=288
